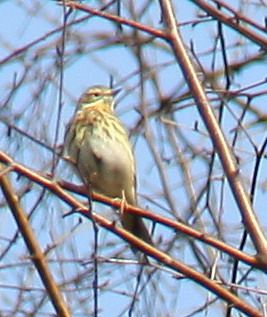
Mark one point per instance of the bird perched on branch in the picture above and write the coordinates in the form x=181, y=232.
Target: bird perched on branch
x=98, y=145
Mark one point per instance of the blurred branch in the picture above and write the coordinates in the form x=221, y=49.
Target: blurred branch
x=149, y=250
x=30, y=239
x=234, y=23
x=220, y=143
x=239, y=16
x=44, y=37
x=117, y=19
x=81, y=190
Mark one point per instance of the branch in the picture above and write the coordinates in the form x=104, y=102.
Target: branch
x=117, y=19
x=233, y=23
x=30, y=239
x=133, y=240
x=219, y=141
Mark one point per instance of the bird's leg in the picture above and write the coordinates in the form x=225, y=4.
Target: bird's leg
x=123, y=202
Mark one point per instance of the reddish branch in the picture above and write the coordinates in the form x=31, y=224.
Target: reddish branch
x=162, y=257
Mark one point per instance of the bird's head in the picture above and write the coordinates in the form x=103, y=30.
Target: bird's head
x=98, y=96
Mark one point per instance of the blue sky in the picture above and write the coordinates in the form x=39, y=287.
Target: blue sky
x=34, y=107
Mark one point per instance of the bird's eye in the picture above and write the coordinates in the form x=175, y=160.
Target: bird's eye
x=95, y=94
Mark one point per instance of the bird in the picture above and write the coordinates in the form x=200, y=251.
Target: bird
x=98, y=145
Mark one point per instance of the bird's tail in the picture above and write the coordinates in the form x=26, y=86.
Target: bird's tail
x=136, y=226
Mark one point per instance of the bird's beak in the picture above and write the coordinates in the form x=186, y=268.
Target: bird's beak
x=115, y=91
